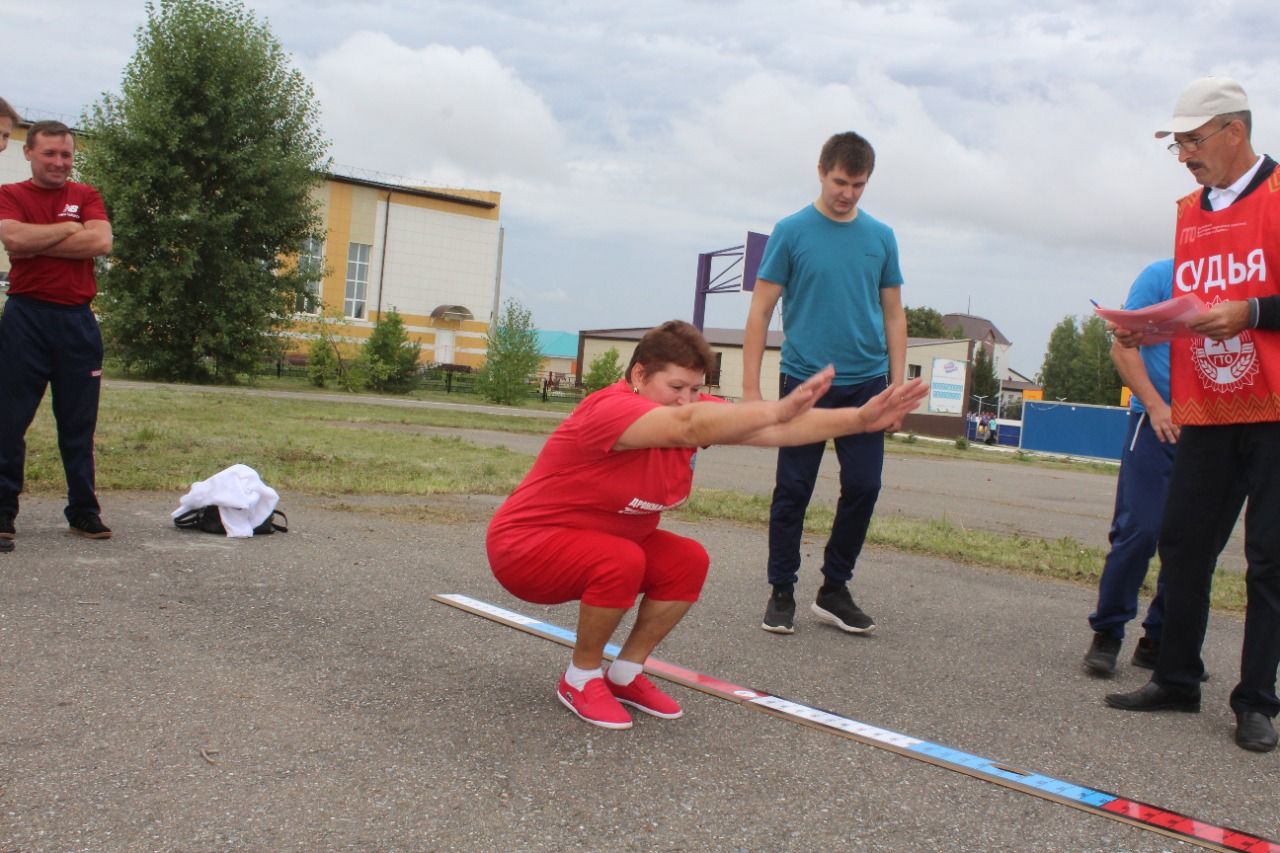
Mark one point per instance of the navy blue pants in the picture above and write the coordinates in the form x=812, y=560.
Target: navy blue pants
x=861, y=460
x=1141, y=488
x=56, y=346
x=1216, y=469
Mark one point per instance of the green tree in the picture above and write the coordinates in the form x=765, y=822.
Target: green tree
x=983, y=383
x=1077, y=366
x=207, y=160
x=1094, y=375
x=322, y=362
x=326, y=361
x=389, y=358
x=1057, y=372
x=512, y=357
x=605, y=369
x=927, y=323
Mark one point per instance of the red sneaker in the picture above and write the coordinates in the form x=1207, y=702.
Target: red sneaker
x=594, y=703
x=643, y=695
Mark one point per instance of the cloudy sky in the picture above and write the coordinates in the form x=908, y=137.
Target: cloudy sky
x=1015, y=157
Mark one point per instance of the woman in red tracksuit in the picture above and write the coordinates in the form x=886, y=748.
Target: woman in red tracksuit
x=583, y=525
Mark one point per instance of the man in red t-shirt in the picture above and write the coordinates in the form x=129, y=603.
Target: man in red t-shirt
x=52, y=228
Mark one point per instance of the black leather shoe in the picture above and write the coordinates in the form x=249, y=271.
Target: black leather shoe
x=1254, y=731
x=1153, y=697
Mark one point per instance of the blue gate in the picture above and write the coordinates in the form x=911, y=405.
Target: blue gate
x=1077, y=429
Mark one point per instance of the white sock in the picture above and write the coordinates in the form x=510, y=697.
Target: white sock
x=578, y=678
x=623, y=672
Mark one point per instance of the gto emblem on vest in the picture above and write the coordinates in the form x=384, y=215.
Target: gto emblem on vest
x=1225, y=366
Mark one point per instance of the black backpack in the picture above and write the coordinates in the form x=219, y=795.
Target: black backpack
x=208, y=519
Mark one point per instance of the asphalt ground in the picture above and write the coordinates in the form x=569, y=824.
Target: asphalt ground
x=172, y=690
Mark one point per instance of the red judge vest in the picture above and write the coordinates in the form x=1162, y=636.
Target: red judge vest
x=1229, y=254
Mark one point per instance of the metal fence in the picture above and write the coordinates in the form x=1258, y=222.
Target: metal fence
x=443, y=380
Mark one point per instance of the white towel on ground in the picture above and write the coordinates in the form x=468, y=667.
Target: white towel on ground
x=242, y=499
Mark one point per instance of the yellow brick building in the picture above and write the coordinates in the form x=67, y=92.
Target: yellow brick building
x=433, y=255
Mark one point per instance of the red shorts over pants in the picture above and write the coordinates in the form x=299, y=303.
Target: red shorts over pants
x=558, y=564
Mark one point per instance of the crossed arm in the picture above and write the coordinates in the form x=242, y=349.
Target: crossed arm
x=71, y=240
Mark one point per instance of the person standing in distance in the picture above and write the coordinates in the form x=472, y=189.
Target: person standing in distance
x=1140, y=490
x=52, y=228
x=835, y=270
x=9, y=119
x=1226, y=398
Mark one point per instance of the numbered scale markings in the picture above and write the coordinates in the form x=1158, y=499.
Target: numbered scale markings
x=1141, y=815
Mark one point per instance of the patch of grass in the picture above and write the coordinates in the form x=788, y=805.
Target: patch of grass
x=159, y=439
x=954, y=450
x=1063, y=559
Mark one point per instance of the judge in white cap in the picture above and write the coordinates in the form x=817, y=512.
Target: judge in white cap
x=1225, y=389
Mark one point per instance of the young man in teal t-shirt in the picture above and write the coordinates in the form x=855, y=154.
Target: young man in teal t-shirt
x=835, y=270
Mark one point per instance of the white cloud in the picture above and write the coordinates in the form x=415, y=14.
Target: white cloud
x=1015, y=158
x=434, y=112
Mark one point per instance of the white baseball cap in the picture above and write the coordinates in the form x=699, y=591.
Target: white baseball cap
x=1201, y=101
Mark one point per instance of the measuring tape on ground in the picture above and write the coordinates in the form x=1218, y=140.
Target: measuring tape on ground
x=1132, y=812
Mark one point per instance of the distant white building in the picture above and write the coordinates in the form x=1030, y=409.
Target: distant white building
x=984, y=333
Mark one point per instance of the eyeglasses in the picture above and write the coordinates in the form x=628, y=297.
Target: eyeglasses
x=1192, y=145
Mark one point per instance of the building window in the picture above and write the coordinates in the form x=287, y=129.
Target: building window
x=357, y=281
x=311, y=265
x=713, y=379
x=913, y=371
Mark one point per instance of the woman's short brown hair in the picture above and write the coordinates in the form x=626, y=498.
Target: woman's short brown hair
x=9, y=112
x=674, y=342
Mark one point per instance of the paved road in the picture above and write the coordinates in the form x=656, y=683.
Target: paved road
x=174, y=691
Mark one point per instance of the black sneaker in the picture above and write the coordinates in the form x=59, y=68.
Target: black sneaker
x=88, y=525
x=1101, y=657
x=6, y=525
x=780, y=613
x=837, y=607
x=1147, y=653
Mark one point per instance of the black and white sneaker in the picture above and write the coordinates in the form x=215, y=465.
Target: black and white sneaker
x=780, y=613
x=88, y=525
x=1101, y=657
x=838, y=608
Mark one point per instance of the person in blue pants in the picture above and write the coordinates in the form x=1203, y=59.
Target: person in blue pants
x=835, y=270
x=53, y=228
x=1141, y=489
